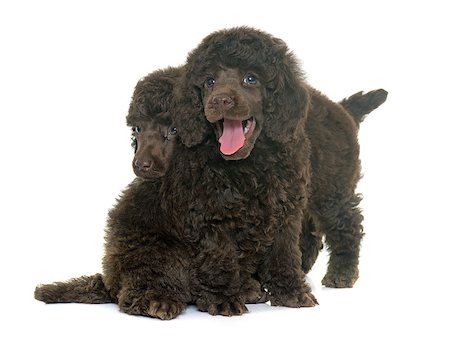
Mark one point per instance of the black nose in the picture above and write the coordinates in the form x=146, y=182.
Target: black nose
x=143, y=166
x=222, y=102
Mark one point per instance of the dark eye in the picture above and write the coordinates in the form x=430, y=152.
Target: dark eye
x=250, y=79
x=170, y=133
x=209, y=82
x=172, y=130
x=136, y=130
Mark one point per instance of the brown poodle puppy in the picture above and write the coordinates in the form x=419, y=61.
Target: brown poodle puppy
x=282, y=154
x=240, y=209
x=153, y=140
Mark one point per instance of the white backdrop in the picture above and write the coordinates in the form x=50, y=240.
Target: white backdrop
x=67, y=72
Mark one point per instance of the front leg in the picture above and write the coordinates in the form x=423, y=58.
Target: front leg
x=148, y=301
x=281, y=272
x=150, y=275
x=216, y=277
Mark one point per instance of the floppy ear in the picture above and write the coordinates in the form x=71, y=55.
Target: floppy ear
x=287, y=102
x=188, y=116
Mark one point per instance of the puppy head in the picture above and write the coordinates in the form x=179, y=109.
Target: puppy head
x=248, y=83
x=153, y=131
x=154, y=142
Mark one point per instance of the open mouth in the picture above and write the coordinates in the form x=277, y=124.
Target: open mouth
x=234, y=133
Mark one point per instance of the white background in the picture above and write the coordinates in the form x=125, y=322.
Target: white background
x=67, y=72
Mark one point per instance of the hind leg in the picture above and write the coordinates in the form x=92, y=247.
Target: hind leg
x=310, y=244
x=341, y=223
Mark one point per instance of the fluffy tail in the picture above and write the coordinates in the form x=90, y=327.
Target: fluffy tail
x=85, y=289
x=359, y=104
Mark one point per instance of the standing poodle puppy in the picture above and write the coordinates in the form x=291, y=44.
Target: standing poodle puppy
x=246, y=186
x=281, y=154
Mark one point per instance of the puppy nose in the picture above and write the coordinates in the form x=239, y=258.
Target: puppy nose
x=223, y=102
x=144, y=165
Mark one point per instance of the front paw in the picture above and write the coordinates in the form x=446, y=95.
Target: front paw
x=255, y=296
x=253, y=293
x=146, y=304
x=165, y=309
x=305, y=299
x=230, y=307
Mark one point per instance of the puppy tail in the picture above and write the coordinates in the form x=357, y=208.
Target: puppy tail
x=85, y=289
x=359, y=105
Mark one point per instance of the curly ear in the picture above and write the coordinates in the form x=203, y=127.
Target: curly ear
x=287, y=102
x=188, y=116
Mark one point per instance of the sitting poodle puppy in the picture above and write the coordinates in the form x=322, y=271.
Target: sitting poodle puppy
x=240, y=204
x=153, y=140
x=281, y=154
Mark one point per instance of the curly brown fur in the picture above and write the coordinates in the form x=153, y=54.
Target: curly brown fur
x=243, y=216
x=324, y=153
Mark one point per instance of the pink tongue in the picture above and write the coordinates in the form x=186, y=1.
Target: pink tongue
x=232, y=138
